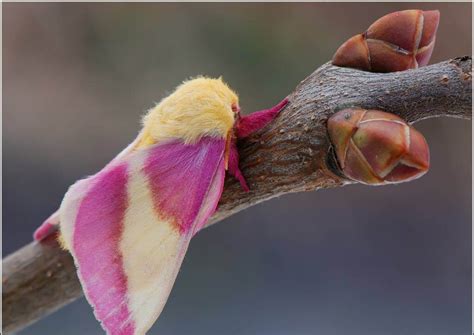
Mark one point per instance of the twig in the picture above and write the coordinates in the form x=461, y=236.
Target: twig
x=291, y=155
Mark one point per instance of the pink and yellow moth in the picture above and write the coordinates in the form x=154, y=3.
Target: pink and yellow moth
x=128, y=226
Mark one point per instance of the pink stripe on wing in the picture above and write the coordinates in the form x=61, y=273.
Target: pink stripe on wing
x=48, y=227
x=96, y=241
x=211, y=198
x=180, y=176
x=44, y=231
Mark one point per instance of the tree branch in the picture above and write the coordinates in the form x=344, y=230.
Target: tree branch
x=290, y=155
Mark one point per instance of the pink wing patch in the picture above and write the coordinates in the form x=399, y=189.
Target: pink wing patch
x=126, y=271
x=181, y=175
x=48, y=227
x=97, y=234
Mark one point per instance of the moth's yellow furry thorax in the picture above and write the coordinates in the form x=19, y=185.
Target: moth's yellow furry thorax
x=198, y=107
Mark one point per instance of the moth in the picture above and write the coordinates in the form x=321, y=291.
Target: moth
x=128, y=226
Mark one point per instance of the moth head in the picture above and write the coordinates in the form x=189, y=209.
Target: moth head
x=198, y=107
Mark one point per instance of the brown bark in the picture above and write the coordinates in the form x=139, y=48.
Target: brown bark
x=290, y=155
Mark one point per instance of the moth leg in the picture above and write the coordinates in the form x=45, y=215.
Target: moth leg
x=233, y=167
x=48, y=227
x=251, y=123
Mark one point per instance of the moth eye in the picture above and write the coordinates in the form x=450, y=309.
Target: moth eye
x=235, y=108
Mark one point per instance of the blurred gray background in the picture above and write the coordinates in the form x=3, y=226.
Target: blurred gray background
x=352, y=260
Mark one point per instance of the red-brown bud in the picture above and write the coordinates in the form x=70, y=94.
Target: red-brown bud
x=398, y=41
x=374, y=147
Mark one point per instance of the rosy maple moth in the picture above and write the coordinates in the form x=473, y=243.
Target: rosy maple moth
x=128, y=226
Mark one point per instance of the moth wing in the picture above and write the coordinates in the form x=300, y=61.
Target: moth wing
x=129, y=227
x=51, y=224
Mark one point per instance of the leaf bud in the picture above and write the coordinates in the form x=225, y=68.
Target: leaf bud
x=396, y=42
x=375, y=147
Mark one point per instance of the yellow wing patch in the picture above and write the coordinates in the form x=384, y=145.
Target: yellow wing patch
x=152, y=252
